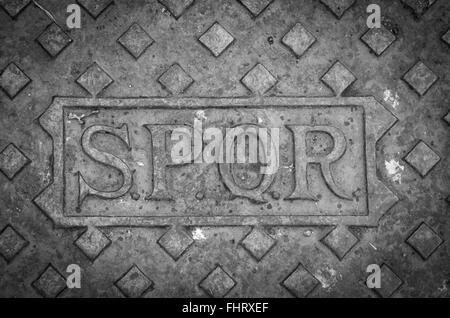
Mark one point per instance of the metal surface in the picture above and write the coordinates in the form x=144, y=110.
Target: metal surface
x=364, y=136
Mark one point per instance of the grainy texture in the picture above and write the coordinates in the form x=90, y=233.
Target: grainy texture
x=134, y=64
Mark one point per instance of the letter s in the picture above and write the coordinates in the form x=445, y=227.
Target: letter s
x=106, y=158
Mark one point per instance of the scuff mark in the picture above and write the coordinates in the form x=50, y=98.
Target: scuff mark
x=443, y=289
x=394, y=169
x=391, y=98
x=48, y=13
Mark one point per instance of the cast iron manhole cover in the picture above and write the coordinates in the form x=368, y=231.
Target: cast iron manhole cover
x=93, y=119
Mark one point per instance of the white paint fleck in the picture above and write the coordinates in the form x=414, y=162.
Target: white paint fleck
x=394, y=169
x=443, y=288
x=80, y=118
x=391, y=98
x=198, y=235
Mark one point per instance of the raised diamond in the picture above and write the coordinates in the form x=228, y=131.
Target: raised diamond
x=300, y=283
x=92, y=242
x=422, y=158
x=50, y=283
x=259, y=80
x=256, y=7
x=446, y=37
x=14, y=7
x=338, y=78
x=11, y=243
x=419, y=7
x=338, y=7
x=54, y=40
x=378, y=39
x=134, y=283
x=13, y=80
x=447, y=118
x=175, y=79
x=424, y=241
x=216, y=39
x=94, y=79
x=217, y=283
x=340, y=241
x=135, y=40
x=95, y=7
x=175, y=242
x=12, y=161
x=420, y=78
x=258, y=243
x=176, y=7
x=390, y=282
x=298, y=39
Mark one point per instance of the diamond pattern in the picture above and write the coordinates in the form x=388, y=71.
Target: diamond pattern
x=95, y=7
x=175, y=242
x=338, y=7
x=12, y=161
x=378, y=39
x=256, y=7
x=50, y=283
x=338, y=78
x=422, y=158
x=11, y=243
x=419, y=7
x=298, y=39
x=54, y=40
x=217, y=283
x=135, y=40
x=300, y=283
x=216, y=39
x=176, y=80
x=258, y=244
x=92, y=242
x=424, y=241
x=420, y=78
x=94, y=79
x=390, y=282
x=13, y=80
x=447, y=118
x=446, y=37
x=134, y=283
x=176, y=7
x=340, y=241
x=259, y=80
x=14, y=7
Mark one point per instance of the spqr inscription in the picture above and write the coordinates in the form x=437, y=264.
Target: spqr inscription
x=119, y=163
